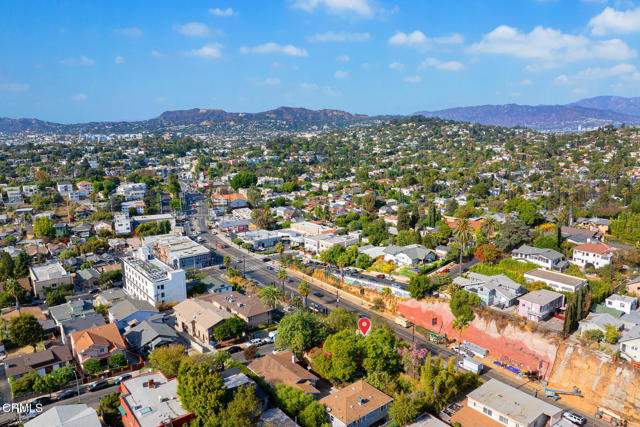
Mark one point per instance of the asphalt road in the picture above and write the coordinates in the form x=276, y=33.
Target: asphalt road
x=256, y=270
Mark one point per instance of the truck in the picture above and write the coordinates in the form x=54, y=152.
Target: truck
x=610, y=416
x=472, y=365
x=402, y=322
x=221, y=245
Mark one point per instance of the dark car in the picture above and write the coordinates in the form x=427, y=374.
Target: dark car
x=380, y=276
x=44, y=400
x=66, y=394
x=222, y=267
x=122, y=378
x=94, y=291
x=265, y=260
x=234, y=349
x=99, y=385
x=318, y=294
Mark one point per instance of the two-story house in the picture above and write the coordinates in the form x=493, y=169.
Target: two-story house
x=544, y=257
x=498, y=290
x=623, y=303
x=594, y=255
x=539, y=305
x=100, y=342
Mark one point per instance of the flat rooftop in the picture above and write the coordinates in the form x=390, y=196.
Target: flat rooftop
x=49, y=271
x=153, y=270
x=183, y=246
x=154, y=404
x=553, y=276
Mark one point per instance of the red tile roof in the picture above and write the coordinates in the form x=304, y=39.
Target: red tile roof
x=596, y=248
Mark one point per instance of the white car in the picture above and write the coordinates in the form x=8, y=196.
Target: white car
x=256, y=341
x=575, y=418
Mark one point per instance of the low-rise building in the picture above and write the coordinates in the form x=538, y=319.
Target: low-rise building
x=558, y=281
x=42, y=362
x=358, y=404
x=310, y=227
x=322, y=242
x=629, y=344
x=510, y=406
x=98, y=343
x=146, y=336
x=623, y=303
x=137, y=205
x=122, y=223
x=66, y=416
x=199, y=318
x=595, y=255
x=260, y=239
x=540, y=305
x=132, y=190
x=182, y=252
x=110, y=296
x=74, y=309
x=151, y=280
x=282, y=368
x=409, y=255
x=498, y=290
x=544, y=257
x=248, y=308
x=130, y=312
x=151, y=400
x=50, y=275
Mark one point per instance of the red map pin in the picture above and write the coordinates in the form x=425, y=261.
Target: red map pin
x=364, y=325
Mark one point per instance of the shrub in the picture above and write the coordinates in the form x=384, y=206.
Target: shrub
x=93, y=367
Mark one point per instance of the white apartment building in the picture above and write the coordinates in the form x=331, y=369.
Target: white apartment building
x=149, y=279
x=593, y=254
x=623, y=303
x=321, y=242
x=122, y=223
x=132, y=190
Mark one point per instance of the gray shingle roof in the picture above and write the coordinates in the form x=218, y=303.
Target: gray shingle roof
x=149, y=330
x=127, y=307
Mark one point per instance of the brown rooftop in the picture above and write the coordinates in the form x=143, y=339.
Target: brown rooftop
x=355, y=401
x=21, y=364
x=243, y=305
x=280, y=368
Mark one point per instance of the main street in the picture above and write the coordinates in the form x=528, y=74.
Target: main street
x=256, y=270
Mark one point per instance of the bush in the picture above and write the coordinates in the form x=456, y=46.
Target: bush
x=250, y=352
x=93, y=367
x=593, y=335
x=117, y=361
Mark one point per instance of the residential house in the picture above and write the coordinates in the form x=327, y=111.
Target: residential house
x=633, y=286
x=282, y=368
x=84, y=188
x=409, y=255
x=68, y=327
x=579, y=235
x=275, y=417
x=130, y=311
x=595, y=255
x=42, y=362
x=248, y=308
x=599, y=321
x=629, y=344
x=76, y=415
x=234, y=378
x=600, y=225
x=88, y=278
x=506, y=405
x=623, y=303
x=199, y=318
x=544, y=257
x=216, y=285
x=64, y=188
x=558, y=281
x=48, y=276
x=122, y=223
x=150, y=334
x=137, y=205
x=98, y=343
x=498, y=290
x=151, y=400
x=69, y=310
x=358, y=404
x=110, y=296
x=540, y=305
x=229, y=201
x=132, y=190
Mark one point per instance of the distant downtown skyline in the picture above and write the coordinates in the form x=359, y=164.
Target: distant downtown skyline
x=69, y=62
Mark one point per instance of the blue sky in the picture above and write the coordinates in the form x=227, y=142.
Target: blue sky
x=71, y=61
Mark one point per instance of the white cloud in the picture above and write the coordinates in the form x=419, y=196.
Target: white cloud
x=118, y=60
x=269, y=81
x=14, y=87
x=275, y=48
x=441, y=65
x=419, y=40
x=343, y=58
x=615, y=21
x=580, y=91
x=308, y=86
x=340, y=74
x=526, y=82
x=359, y=7
x=133, y=32
x=549, y=47
x=209, y=51
x=193, y=29
x=341, y=36
x=623, y=71
x=157, y=53
x=222, y=12
x=76, y=62
x=396, y=66
x=80, y=97
x=413, y=79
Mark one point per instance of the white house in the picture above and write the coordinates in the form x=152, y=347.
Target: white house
x=132, y=190
x=322, y=242
x=630, y=344
x=149, y=279
x=544, y=257
x=409, y=255
x=596, y=255
x=623, y=303
x=64, y=188
x=138, y=205
x=558, y=281
x=122, y=223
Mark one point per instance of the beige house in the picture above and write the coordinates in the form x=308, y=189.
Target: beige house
x=48, y=276
x=248, y=308
x=199, y=318
x=358, y=404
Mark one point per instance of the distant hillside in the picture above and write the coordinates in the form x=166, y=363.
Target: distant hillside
x=286, y=117
x=570, y=117
x=619, y=104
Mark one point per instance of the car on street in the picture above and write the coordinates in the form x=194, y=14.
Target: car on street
x=222, y=267
x=234, y=349
x=269, y=267
x=380, y=276
x=265, y=260
x=318, y=294
x=99, y=385
x=67, y=394
x=122, y=378
x=256, y=341
x=44, y=401
x=574, y=418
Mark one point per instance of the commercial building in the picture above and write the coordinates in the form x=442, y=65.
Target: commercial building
x=182, y=252
x=558, y=281
x=50, y=275
x=151, y=400
x=151, y=280
x=322, y=242
x=358, y=404
x=510, y=406
x=309, y=227
x=260, y=239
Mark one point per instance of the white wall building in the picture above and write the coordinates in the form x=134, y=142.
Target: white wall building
x=132, y=190
x=623, y=303
x=122, y=223
x=593, y=254
x=148, y=279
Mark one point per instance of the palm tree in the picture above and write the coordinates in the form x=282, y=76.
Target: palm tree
x=464, y=236
x=13, y=288
x=226, y=261
x=282, y=275
x=270, y=297
x=280, y=249
x=304, y=289
x=490, y=226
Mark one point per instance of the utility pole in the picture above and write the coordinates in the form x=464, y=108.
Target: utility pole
x=244, y=267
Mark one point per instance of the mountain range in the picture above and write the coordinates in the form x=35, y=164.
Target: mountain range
x=581, y=115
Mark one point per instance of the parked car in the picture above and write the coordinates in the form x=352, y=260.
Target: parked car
x=122, y=378
x=265, y=260
x=222, y=267
x=94, y=291
x=269, y=267
x=44, y=400
x=380, y=276
x=99, y=385
x=318, y=294
x=66, y=394
x=575, y=418
x=234, y=349
x=256, y=341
